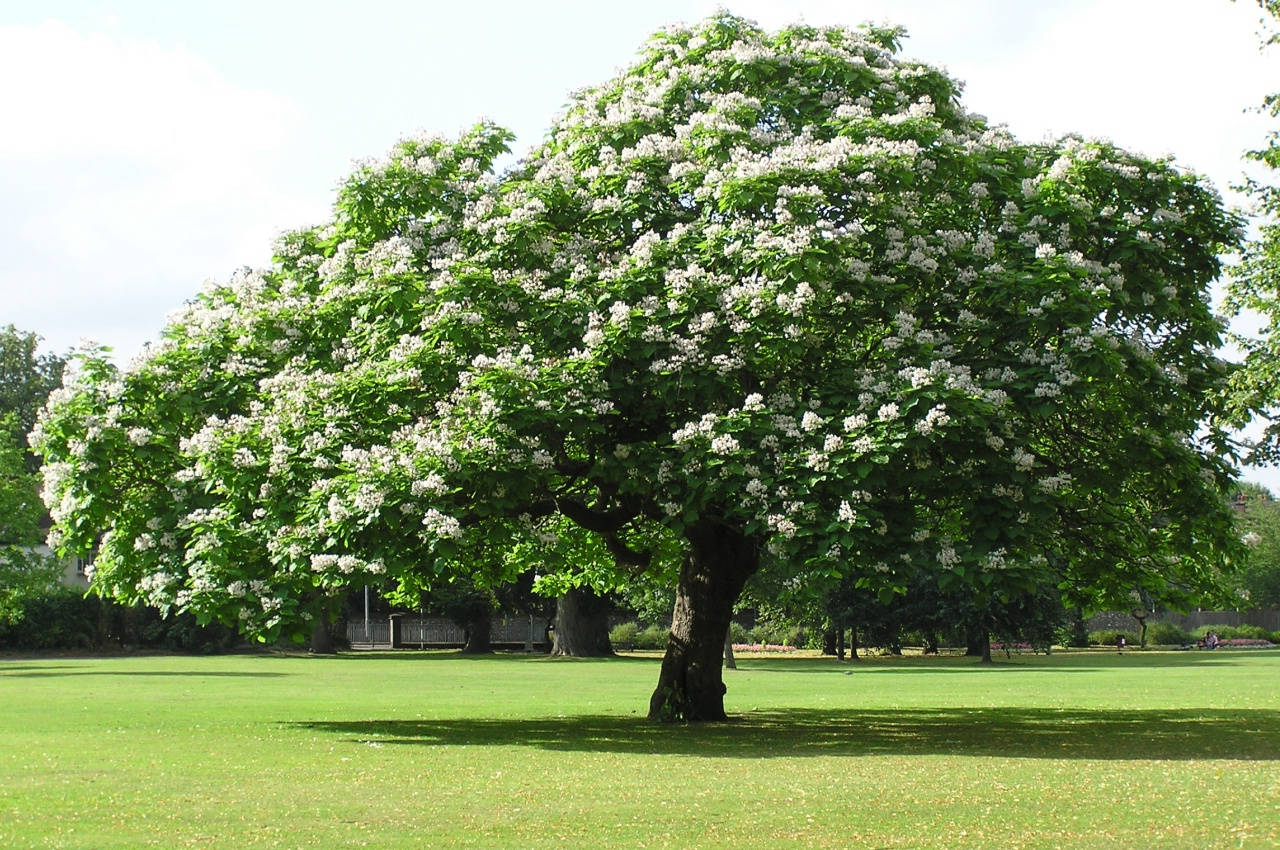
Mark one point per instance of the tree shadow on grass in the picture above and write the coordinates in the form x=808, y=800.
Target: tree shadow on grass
x=53, y=672
x=1023, y=663
x=991, y=732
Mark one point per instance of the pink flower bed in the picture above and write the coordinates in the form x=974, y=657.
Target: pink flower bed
x=762, y=647
x=1244, y=642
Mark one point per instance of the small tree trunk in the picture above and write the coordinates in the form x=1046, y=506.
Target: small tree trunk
x=730, y=662
x=840, y=643
x=853, y=644
x=582, y=625
x=690, y=686
x=1141, y=617
x=478, y=636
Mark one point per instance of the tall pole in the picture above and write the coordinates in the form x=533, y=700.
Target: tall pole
x=366, y=613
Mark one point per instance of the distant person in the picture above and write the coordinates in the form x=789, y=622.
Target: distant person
x=1120, y=644
x=1211, y=640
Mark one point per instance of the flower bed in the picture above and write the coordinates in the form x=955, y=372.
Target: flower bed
x=1246, y=643
x=762, y=647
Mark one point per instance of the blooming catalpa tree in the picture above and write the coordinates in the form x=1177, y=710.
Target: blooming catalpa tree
x=764, y=298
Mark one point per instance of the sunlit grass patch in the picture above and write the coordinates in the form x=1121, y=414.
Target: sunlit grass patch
x=1080, y=750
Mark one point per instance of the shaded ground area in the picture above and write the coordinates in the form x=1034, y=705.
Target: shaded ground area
x=1001, y=732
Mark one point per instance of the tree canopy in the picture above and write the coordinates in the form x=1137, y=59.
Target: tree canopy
x=26, y=379
x=762, y=299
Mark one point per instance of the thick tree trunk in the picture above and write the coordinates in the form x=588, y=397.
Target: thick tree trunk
x=690, y=686
x=829, y=641
x=322, y=635
x=478, y=636
x=979, y=643
x=582, y=625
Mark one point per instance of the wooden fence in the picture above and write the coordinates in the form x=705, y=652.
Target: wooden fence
x=1269, y=619
x=404, y=631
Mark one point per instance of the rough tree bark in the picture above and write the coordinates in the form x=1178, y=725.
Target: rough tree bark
x=582, y=625
x=979, y=642
x=730, y=663
x=690, y=686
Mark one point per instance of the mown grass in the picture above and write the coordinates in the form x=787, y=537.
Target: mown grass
x=1089, y=750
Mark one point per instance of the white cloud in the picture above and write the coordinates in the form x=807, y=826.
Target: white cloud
x=69, y=90
x=127, y=166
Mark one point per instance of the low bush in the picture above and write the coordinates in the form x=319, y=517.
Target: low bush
x=762, y=647
x=1167, y=634
x=783, y=634
x=68, y=619
x=652, y=637
x=1225, y=632
x=623, y=634
x=1107, y=637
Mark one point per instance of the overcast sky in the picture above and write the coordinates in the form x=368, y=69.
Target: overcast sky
x=150, y=146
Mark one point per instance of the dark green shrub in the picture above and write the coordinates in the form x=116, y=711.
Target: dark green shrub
x=1199, y=632
x=1107, y=637
x=1166, y=634
x=652, y=637
x=1225, y=632
x=62, y=619
x=67, y=619
x=737, y=632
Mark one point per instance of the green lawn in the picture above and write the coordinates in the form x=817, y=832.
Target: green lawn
x=1088, y=750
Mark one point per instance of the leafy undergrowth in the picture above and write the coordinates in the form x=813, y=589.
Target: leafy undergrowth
x=1084, y=750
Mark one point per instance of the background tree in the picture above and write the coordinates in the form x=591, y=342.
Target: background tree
x=24, y=572
x=26, y=379
x=1259, y=581
x=776, y=294
x=1254, y=284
